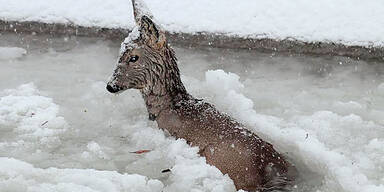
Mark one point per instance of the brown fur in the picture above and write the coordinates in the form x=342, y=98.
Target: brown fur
x=250, y=162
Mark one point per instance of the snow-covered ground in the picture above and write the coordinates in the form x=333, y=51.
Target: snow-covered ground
x=351, y=22
x=61, y=131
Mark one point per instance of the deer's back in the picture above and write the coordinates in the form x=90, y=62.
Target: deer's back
x=226, y=144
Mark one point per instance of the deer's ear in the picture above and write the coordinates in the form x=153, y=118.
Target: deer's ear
x=151, y=33
x=139, y=10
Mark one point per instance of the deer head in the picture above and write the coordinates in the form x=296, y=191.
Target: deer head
x=143, y=55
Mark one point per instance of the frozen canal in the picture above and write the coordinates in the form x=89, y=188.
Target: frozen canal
x=61, y=131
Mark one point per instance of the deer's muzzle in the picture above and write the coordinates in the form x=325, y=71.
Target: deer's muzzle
x=113, y=89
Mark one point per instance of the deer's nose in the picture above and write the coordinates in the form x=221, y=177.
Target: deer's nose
x=112, y=89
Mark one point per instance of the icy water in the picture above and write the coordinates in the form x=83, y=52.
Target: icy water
x=61, y=131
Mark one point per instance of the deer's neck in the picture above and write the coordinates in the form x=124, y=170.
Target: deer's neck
x=157, y=103
x=165, y=88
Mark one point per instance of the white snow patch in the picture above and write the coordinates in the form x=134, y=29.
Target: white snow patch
x=142, y=9
x=129, y=42
x=380, y=89
x=351, y=22
x=95, y=149
x=20, y=176
x=30, y=116
x=11, y=52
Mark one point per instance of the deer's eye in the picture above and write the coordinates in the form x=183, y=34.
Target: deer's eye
x=133, y=58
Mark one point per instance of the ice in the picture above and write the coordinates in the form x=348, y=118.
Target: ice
x=380, y=89
x=351, y=22
x=11, y=52
x=325, y=117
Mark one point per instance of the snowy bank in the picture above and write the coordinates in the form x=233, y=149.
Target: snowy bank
x=351, y=22
x=344, y=22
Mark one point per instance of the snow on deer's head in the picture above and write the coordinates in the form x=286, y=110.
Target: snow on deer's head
x=142, y=54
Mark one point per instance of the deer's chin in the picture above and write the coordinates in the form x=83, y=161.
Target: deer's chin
x=120, y=91
x=139, y=87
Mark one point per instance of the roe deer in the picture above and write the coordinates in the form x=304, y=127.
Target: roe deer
x=149, y=64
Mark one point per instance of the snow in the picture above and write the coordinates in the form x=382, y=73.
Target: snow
x=129, y=41
x=60, y=130
x=326, y=150
x=24, y=109
x=380, y=89
x=141, y=9
x=21, y=176
x=351, y=22
x=31, y=116
x=11, y=53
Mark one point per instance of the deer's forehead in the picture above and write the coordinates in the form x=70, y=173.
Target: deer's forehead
x=127, y=48
x=131, y=42
x=131, y=52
